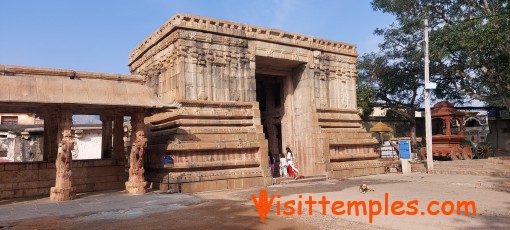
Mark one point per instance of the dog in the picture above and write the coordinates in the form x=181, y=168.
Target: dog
x=364, y=188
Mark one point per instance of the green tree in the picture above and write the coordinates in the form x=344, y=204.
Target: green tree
x=469, y=44
x=469, y=55
x=393, y=82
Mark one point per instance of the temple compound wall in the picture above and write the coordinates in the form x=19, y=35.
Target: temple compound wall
x=246, y=90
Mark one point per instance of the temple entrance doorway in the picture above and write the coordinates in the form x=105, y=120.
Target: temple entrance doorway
x=274, y=92
x=269, y=96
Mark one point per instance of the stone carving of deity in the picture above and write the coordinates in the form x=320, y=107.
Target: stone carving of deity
x=64, y=156
x=136, y=157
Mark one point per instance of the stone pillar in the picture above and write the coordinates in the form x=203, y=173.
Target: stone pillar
x=63, y=189
x=461, y=121
x=136, y=183
x=106, y=141
x=50, y=140
x=118, y=137
x=448, y=124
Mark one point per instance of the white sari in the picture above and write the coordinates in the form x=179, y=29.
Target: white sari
x=290, y=161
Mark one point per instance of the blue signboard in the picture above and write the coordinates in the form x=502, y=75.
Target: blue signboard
x=404, y=149
x=167, y=160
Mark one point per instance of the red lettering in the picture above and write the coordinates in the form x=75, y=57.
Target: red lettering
x=465, y=204
x=412, y=205
x=324, y=202
x=372, y=211
x=356, y=204
x=395, y=206
x=337, y=205
x=310, y=202
x=443, y=208
x=429, y=210
x=289, y=207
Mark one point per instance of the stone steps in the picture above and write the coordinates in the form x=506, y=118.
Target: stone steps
x=288, y=180
x=486, y=166
x=482, y=167
x=475, y=172
x=504, y=187
x=462, y=162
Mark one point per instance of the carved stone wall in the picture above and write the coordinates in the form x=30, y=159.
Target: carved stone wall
x=200, y=66
x=26, y=179
x=209, y=66
x=214, y=145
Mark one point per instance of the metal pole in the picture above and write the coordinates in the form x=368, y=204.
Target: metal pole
x=428, y=119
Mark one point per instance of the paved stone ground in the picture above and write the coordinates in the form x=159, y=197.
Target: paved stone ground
x=234, y=209
x=98, y=206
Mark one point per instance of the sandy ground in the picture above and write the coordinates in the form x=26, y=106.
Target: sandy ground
x=233, y=209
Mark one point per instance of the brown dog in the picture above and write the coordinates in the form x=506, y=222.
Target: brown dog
x=364, y=188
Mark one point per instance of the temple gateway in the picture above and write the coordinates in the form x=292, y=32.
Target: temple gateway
x=246, y=91
x=208, y=100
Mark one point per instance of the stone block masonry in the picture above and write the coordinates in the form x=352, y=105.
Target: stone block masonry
x=36, y=178
x=214, y=146
x=221, y=73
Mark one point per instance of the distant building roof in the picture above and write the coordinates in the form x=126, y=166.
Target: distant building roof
x=380, y=127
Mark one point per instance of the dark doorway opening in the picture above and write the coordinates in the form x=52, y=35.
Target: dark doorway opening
x=269, y=93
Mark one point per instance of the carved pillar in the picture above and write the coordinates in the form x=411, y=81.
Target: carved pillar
x=50, y=135
x=118, y=137
x=288, y=114
x=63, y=189
x=136, y=183
x=106, y=141
x=448, y=126
x=461, y=120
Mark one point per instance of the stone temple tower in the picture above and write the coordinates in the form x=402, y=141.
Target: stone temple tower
x=246, y=91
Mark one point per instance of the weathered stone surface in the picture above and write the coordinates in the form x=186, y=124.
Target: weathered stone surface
x=50, y=86
x=136, y=183
x=63, y=189
x=217, y=70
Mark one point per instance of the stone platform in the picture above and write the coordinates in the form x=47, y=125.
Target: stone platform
x=289, y=180
x=342, y=170
x=482, y=167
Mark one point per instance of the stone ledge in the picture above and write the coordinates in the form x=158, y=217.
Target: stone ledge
x=338, y=166
x=499, y=160
x=350, y=157
x=213, y=164
x=38, y=165
x=347, y=142
x=222, y=184
x=187, y=177
x=347, y=173
x=213, y=145
x=203, y=122
x=336, y=110
x=354, y=124
x=11, y=70
x=234, y=29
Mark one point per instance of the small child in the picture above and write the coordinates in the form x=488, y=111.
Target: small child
x=283, y=165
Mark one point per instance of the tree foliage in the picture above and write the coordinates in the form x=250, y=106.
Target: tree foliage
x=469, y=54
x=469, y=44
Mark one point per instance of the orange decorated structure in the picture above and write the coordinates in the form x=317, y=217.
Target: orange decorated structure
x=448, y=136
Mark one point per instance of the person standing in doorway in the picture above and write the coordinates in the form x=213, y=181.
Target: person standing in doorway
x=291, y=168
x=283, y=165
x=271, y=163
